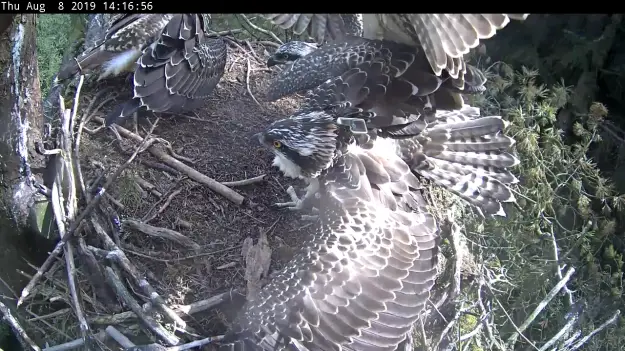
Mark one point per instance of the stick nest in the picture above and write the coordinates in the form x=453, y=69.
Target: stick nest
x=165, y=222
x=166, y=225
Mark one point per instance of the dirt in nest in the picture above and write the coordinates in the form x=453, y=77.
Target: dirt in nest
x=217, y=138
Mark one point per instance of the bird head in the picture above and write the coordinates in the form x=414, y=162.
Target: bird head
x=290, y=51
x=304, y=145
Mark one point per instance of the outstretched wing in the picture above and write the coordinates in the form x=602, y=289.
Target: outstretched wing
x=333, y=59
x=181, y=69
x=459, y=150
x=129, y=33
x=445, y=38
x=362, y=279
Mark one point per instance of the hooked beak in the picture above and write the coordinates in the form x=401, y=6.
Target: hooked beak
x=272, y=62
x=257, y=138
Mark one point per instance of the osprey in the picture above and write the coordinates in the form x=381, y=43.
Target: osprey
x=362, y=279
x=443, y=39
x=290, y=52
x=412, y=90
x=178, y=71
x=123, y=44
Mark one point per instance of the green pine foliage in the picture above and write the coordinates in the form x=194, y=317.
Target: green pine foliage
x=563, y=200
x=56, y=34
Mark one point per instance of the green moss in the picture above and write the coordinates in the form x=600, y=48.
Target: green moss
x=57, y=34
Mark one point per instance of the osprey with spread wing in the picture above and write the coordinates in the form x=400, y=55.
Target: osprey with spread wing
x=444, y=38
x=362, y=279
x=411, y=91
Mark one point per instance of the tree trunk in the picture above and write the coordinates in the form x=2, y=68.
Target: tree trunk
x=21, y=122
x=21, y=118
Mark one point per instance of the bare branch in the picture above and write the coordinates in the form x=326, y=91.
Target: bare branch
x=149, y=322
x=257, y=28
x=119, y=337
x=605, y=324
x=164, y=233
x=23, y=338
x=512, y=339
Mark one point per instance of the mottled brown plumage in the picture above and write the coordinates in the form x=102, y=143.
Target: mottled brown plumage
x=179, y=71
x=123, y=44
x=311, y=67
x=362, y=279
x=444, y=38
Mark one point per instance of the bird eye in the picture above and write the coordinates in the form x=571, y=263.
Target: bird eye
x=277, y=144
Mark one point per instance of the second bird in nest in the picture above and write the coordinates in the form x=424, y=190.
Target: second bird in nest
x=175, y=63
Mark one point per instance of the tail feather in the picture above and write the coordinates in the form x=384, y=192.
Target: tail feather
x=468, y=156
x=501, y=174
x=123, y=111
x=482, y=159
x=471, y=128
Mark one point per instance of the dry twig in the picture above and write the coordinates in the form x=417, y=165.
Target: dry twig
x=148, y=186
x=257, y=28
x=162, y=233
x=150, y=216
x=149, y=322
x=604, y=325
x=190, y=309
x=245, y=182
x=119, y=337
x=64, y=186
x=554, y=291
x=116, y=255
x=74, y=344
x=192, y=173
x=247, y=83
x=225, y=32
x=187, y=346
x=20, y=333
x=77, y=225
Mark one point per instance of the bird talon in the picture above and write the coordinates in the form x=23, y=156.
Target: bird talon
x=295, y=204
x=292, y=194
x=291, y=205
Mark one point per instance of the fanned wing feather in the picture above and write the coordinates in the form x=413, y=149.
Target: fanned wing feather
x=129, y=34
x=363, y=278
x=180, y=70
x=444, y=38
x=448, y=37
x=459, y=150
